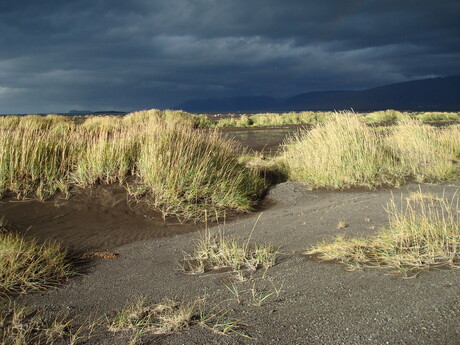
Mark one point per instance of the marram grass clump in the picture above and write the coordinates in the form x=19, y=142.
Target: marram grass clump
x=340, y=153
x=186, y=171
x=427, y=153
x=423, y=233
x=345, y=152
x=160, y=155
x=26, y=265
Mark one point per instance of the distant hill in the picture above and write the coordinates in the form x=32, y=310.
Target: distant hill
x=91, y=112
x=76, y=112
x=230, y=104
x=440, y=94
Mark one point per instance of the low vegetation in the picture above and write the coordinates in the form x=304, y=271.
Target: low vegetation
x=142, y=319
x=215, y=251
x=424, y=232
x=165, y=317
x=177, y=168
x=275, y=119
x=26, y=265
x=344, y=152
x=318, y=117
x=22, y=325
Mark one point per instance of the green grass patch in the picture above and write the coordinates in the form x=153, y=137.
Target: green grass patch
x=384, y=116
x=438, y=117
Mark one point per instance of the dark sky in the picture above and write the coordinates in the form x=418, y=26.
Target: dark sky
x=127, y=55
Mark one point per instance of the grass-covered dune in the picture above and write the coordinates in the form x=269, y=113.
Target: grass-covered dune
x=314, y=118
x=160, y=155
x=345, y=152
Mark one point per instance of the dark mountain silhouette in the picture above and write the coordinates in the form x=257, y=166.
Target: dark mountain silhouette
x=77, y=112
x=426, y=94
x=91, y=112
x=230, y=104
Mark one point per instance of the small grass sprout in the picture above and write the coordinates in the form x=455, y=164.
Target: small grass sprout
x=141, y=318
x=342, y=224
x=215, y=251
x=24, y=325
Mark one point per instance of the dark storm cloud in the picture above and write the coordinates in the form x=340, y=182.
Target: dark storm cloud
x=101, y=54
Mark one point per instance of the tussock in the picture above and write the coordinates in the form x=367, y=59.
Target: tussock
x=344, y=152
x=26, y=265
x=181, y=170
x=422, y=234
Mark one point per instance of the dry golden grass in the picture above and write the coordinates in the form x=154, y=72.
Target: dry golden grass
x=424, y=152
x=26, y=265
x=344, y=152
x=20, y=325
x=180, y=170
x=165, y=317
x=141, y=318
x=420, y=236
x=215, y=251
x=342, y=224
x=314, y=118
x=340, y=153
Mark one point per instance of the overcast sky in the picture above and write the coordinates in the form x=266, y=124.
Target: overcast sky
x=126, y=55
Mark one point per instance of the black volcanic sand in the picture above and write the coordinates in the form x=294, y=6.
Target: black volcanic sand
x=98, y=219
x=266, y=140
x=319, y=303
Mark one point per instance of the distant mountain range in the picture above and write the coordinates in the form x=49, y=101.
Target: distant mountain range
x=441, y=94
x=90, y=112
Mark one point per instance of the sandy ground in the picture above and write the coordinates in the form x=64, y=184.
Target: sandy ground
x=319, y=303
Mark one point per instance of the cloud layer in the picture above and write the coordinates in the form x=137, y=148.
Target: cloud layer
x=127, y=55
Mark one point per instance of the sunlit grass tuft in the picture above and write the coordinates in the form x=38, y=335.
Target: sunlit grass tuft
x=340, y=153
x=215, y=251
x=181, y=170
x=344, y=152
x=26, y=265
x=420, y=236
x=425, y=152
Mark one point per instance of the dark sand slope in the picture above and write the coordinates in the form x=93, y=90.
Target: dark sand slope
x=99, y=218
x=320, y=303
